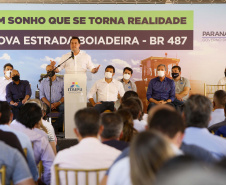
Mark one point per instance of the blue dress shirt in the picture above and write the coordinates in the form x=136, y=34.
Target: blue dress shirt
x=161, y=90
x=203, y=138
x=25, y=143
x=16, y=92
x=57, y=89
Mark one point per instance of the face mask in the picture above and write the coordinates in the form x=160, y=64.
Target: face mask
x=108, y=75
x=161, y=73
x=8, y=73
x=175, y=75
x=16, y=78
x=126, y=76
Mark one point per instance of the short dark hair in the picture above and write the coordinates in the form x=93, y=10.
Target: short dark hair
x=220, y=95
x=167, y=122
x=73, y=37
x=178, y=67
x=129, y=94
x=5, y=111
x=133, y=107
x=113, y=125
x=87, y=121
x=29, y=115
x=8, y=64
x=129, y=69
x=111, y=67
x=197, y=110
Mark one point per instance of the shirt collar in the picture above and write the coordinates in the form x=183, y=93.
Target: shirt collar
x=163, y=80
x=123, y=81
x=113, y=80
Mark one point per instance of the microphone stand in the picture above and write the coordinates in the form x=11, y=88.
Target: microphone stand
x=51, y=74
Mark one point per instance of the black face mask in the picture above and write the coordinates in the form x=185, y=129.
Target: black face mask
x=225, y=74
x=16, y=78
x=175, y=75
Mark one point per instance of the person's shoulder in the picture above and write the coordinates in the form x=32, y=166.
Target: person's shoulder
x=25, y=82
x=153, y=80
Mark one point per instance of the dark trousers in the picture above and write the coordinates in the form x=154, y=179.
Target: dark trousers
x=178, y=105
x=151, y=104
x=16, y=109
x=60, y=120
x=105, y=105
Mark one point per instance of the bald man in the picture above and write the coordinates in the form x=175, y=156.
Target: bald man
x=17, y=92
x=57, y=96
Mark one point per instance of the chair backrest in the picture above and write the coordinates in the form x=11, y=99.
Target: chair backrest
x=76, y=172
x=25, y=151
x=3, y=174
x=209, y=90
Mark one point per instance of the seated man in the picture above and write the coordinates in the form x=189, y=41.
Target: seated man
x=216, y=126
x=182, y=86
x=28, y=119
x=57, y=97
x=107, y=90
x=17, y=92
x=126, y=82
x=4, y=81
x=161, y=90
x=222, y=81
x=5, y=120
x=89, y=153
x=219, y=101
x=17, y=170
x=197, y=113
x=112, y=130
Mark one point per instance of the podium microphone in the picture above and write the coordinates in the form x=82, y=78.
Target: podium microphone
x=72, y=54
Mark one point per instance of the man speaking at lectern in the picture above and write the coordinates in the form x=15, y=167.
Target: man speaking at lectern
x=79, y=62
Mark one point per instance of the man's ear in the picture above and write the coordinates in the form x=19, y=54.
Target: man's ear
x=77, y=132
x=101, y=129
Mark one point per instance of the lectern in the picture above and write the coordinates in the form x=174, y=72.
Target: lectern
x=74, y=99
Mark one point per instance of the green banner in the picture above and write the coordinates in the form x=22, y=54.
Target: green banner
x=96, y=20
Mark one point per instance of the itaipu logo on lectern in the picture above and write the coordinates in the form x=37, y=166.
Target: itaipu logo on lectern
x=74, y=87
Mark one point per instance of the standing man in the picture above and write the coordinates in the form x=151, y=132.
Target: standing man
x=107, y=90
x=17, y=92
x=5, y=80
x=161, y=90
x=127, y=84
x=182, y=86
x=80, y=63
x=57, y=98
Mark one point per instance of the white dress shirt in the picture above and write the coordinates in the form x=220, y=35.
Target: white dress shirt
x=106, y=91
x=139, y=125
x=3, y=83
x=80, y=63
x=222, y=81
x=89, y=153
x=217, y=116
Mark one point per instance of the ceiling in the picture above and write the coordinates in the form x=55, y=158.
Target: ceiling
x=114, y=1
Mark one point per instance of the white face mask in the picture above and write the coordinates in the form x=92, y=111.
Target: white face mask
x=8, y=73
x=108, y=75
x=161, y=73
x=126, y=76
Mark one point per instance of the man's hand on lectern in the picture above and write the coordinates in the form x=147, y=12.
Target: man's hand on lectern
x=95, y=70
